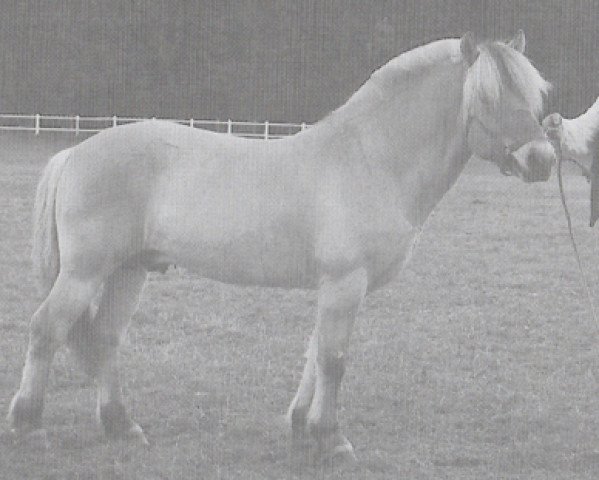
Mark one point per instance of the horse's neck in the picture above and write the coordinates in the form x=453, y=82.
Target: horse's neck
x=414, y=134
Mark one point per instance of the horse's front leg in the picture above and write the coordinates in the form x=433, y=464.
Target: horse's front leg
x=339, y=299
x=298, y=410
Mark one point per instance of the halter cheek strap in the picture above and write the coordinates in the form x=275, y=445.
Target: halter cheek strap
x=504, y=161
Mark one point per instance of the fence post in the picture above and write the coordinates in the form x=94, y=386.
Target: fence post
x=303, y=126
x=229, y=126
x=76, y=125
x=191, y=122
x=37, y=123
x=266, y=130
x=114, y=120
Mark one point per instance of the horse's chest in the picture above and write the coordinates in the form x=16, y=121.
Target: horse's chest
x=387, y=255
x=380, y=241
x=236, y=243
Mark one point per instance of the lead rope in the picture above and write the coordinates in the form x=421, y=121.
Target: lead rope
x=558, y=152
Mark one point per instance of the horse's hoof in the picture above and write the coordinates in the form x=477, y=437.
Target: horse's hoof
x=344, y=449
x=117, y=424
x=137, y=435
x=335, y=448
x=36, y=439
x=134, y=436
x=323, y=450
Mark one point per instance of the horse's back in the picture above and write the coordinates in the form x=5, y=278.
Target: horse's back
x=160, y=193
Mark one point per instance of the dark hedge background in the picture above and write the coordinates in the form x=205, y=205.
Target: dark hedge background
x=281, y=60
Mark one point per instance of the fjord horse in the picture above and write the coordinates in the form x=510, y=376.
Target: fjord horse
x=337, y=208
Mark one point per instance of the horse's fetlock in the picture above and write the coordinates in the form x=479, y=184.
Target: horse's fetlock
x=333, y=365
x=298, y=418
x=323, y=429
x=110, y=340
x=26, y=413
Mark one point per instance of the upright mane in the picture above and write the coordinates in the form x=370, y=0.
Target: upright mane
x=497, y=70
x=405, y=66
x=420, y=58
x=500, y=68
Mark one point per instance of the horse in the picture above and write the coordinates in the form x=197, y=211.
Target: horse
x=337, y=208
x=579, y=142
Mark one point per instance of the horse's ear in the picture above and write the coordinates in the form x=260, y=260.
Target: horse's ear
x=468, y=48
x=518, y=42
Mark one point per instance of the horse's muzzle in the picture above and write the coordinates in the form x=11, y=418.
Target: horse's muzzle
x=533, y=161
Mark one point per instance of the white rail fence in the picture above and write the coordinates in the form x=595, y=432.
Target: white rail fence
x=76, y=124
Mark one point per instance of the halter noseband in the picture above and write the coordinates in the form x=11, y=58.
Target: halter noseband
x=507, y=160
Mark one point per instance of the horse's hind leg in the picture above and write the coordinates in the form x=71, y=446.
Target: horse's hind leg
x=67, y=300
x=95, y=342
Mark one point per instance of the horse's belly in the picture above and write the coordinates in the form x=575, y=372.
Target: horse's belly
x=279, y=255
x=259, y=241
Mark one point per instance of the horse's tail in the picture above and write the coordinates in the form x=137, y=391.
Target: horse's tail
x=45, y=254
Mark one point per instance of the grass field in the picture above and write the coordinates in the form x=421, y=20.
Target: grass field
x=479, y=361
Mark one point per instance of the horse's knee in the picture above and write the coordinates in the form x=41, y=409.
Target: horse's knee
x=42, y=337
x=338, y=303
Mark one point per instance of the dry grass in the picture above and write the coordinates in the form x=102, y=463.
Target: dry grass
x=480, y=361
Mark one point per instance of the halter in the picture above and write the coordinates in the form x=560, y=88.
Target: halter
x=507, y=161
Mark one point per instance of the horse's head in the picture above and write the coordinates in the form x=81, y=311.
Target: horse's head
x=503, y=97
